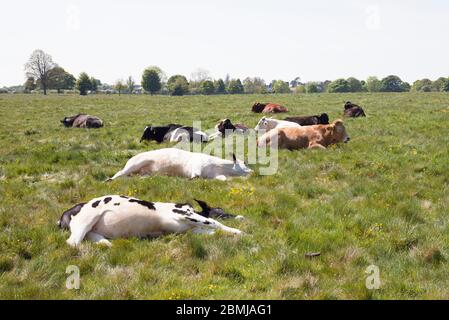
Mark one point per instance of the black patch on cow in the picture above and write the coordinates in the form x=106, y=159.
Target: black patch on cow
x=124, y=197
x=180, y=205
x=149, y=205
x=184, y=213
x=64, y=222
x=193, y=220
x=116, y=204
x=207, y=222
x=107, y=199
x=95, y=204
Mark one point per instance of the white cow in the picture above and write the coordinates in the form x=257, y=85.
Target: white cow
x=268, y=124
x=113, y=217
x=180, y=163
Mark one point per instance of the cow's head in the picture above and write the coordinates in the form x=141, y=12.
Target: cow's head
x=68, y=121
x=258, y=107
x=149, y=133
x=337, y=132
x=324, y=119
x=214, y=213
x=64, y=221
x=262, y=124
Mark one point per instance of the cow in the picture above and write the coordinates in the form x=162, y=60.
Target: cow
x=353, y=111
x=180, y=163
x=82, y=121
x=310, y=120
x=157, y=134
x=267, y=124
x=173, y=133
x=268, y=108
x=114, y=217
x=225, y=127
x=309, y=137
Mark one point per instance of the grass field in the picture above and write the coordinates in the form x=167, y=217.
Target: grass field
x=382, y=199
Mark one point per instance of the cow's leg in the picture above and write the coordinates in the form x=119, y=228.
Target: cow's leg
x=81, y=225
x=317, y=146
x=198, y=222
x=98, y=239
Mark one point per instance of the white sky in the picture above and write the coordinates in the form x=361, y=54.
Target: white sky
x=273, y=39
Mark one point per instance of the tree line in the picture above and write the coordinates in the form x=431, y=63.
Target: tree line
x=44, y=74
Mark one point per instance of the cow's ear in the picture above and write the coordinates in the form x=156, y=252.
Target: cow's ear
x=234, y=158
x=203, y=205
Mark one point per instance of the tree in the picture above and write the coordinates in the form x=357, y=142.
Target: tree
x=338, y=86
x=254, y=85
x=59, y=79
x=207, y=87
x=424, y=85
x=354, y=85
x=446, y=86
x=178, y=85
x=83, y=84
x=392, y=84
x=300, y=88
x=311, y=87
x=235, y=86
x=280, y=86
x=439, y=84
x=120, y=86
x=151, y=80
x=38, y=67
x=130, y=84
x=94, y=84
x=30, y=84
x=295, y=82
x=373, y=84
x=220, y=87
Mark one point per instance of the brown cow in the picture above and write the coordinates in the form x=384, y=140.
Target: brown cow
x=319, y=136
x=353, y=111
x=310, y=120
x=82, y=121
x=268, y=108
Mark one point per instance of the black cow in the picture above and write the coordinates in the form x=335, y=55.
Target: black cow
x=353, y=111
x=310, y=120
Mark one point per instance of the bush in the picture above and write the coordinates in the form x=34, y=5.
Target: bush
x=311, y=87
x=280, y=86
x=354, y=85
x=178, y=85
x=151, y=81
x=207, y=87
x=83, y=84
x=338, y=86
x=393, y=84
x=235, y=87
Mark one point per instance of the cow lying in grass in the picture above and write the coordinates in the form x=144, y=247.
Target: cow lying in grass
x=225, y=127
x=268, y=108
x=310, y=120
x=353, y=111
x=267, y=124
x=180, y=163
x=82, y=121
x=113, y=217
x=319, y=136
x=173, y=133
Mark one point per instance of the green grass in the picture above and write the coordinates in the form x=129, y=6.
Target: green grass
x=382, y=199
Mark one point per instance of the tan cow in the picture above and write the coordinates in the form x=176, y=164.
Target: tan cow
x=318, y=136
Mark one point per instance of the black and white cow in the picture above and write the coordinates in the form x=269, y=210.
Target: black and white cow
x=225, y=127
x=113, y=217
x=173, y=133
x=310, y=120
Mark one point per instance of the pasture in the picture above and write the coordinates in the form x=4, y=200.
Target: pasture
x=382, y=199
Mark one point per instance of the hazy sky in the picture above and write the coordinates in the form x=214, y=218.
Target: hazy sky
x=273, y=39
